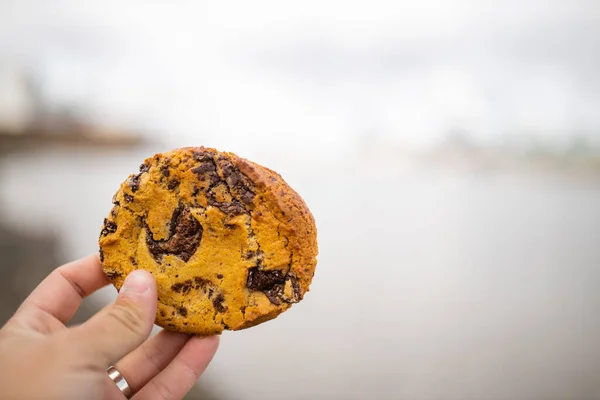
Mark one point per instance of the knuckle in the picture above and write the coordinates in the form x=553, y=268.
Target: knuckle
x=191, y=372
x=129, y=317
x=155, y=356
x=163, y=391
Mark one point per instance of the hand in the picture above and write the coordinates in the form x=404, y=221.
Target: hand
x=40, y=358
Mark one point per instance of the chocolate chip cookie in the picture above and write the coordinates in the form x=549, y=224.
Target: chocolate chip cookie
x=230, y=244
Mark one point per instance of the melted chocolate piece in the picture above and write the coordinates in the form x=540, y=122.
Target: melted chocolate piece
x=274, y=293
x=207, y=171
x=109, y=227
x=238, y=183
x=189, y=284
x=184, y=238
x=218, y=303
x=173, y=183
x=272, y=284
x=263, y=280
x=182, y=287
x=297, y=290
x=112, y=274
x=247, y=197
x=233, y=208
x=134, y=183
x=199, y=282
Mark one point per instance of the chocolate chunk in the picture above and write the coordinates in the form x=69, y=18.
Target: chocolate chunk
x=230, y=173
x=233, y=208
x=296, y=291
x=273, y=293
x=262, y=280
x=184, y=237
x=114, y=200
x=272, y=284
x=128, y=197
x=109, y=227
x=134, y=183
x=133, y=261
x=218, y=303
x=183, y=311
x=202, y=156
x=219, y=276
x=247, y=197
x=189, y=284
x=101, y=255
x=200, y=283
x=204, y=168
x=182, y=287
x=112, y=274
x=173, y=184
x=207, y=171
x=165, y=171
x=238, y=183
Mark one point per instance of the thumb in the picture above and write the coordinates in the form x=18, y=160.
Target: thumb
x=122, y=326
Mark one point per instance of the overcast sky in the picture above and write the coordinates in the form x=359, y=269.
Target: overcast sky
x=250, y=74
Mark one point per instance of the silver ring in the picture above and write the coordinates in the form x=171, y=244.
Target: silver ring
x=120, y=381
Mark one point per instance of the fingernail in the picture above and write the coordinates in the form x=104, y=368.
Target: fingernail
x=137, y=281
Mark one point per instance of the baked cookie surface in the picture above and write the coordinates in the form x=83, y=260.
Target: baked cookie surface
x=230, y=244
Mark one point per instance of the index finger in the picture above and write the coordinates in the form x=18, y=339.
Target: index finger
x=61, y=293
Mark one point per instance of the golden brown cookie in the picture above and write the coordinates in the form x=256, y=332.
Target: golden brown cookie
x=230, y=244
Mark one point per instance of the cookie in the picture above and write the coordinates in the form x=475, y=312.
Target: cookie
x=230, y=244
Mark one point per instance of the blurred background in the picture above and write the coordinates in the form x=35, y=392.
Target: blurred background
x=449, y=150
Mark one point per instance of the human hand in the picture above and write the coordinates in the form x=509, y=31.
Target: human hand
x=40, y=358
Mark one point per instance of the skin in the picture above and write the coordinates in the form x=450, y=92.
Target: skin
x=41, y=358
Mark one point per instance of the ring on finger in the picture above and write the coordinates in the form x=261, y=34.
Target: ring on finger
x=120, y=381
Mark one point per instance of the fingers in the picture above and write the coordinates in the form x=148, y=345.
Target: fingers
x=183, y=372
x=61, y=293
x=148, y=360
x=120, y=327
